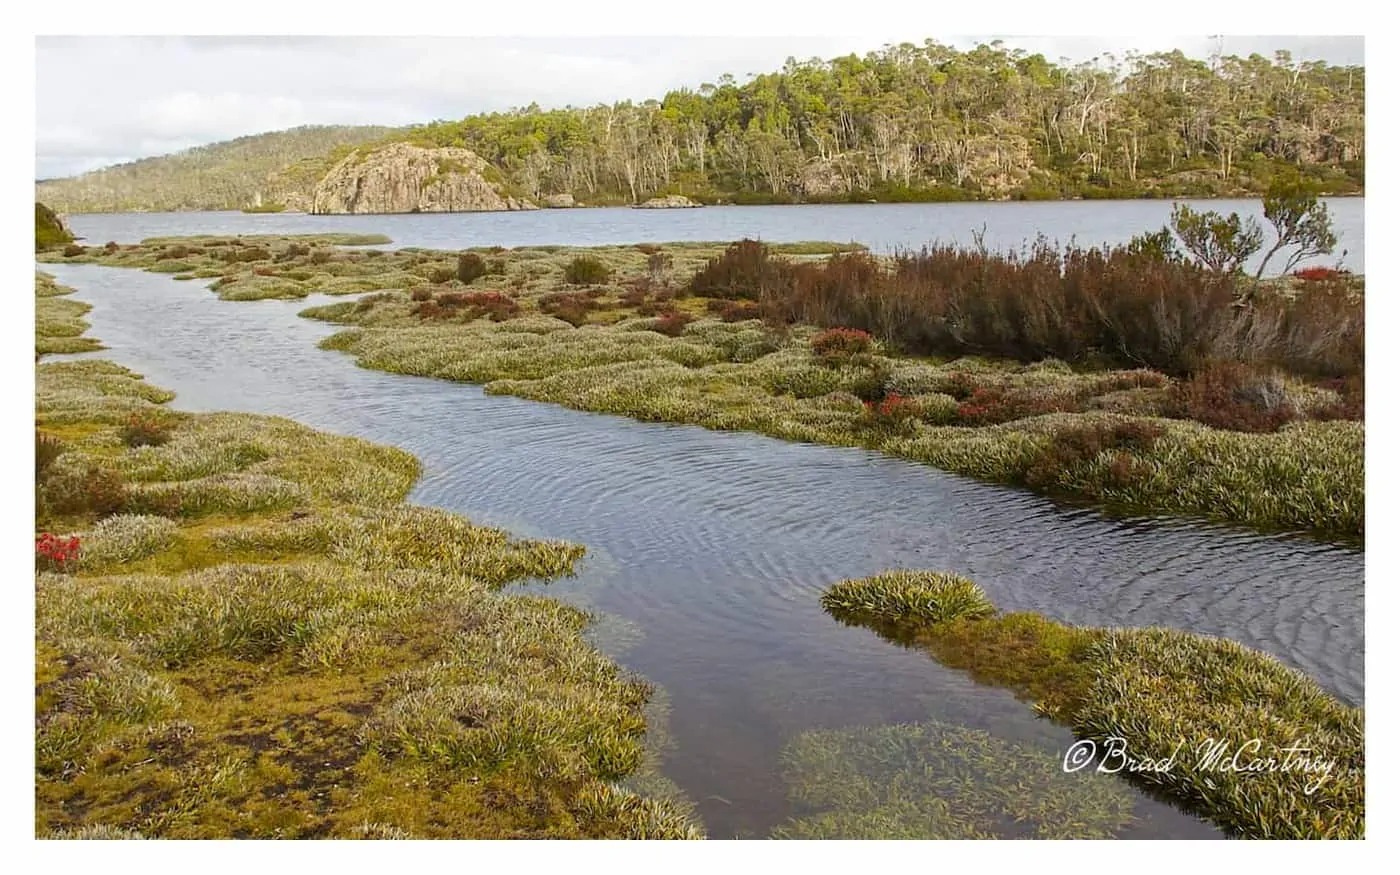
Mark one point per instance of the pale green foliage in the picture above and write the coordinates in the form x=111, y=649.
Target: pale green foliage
x=1299, y=220
x=125, y=538
x=1221, y=243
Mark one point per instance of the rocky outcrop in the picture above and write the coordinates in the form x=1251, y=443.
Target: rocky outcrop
x=822, y=179
x=402, y=178
x=559, y=201
x=669, y=202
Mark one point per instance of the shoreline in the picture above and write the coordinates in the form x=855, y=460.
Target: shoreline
x=624, y=206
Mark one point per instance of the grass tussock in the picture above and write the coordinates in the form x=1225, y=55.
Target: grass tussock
x=258, y=639
x=1172, y=697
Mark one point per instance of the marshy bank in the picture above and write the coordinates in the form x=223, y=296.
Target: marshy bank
x=707, y=548
x=243, y=631
x=1119, y=377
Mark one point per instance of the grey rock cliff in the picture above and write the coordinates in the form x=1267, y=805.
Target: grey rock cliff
x=402, y=178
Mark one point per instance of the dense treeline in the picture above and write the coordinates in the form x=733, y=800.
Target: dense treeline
x=220, y=176
x=904, y=123
x=930, y=122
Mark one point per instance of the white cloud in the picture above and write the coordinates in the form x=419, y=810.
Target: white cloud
x=102, y=100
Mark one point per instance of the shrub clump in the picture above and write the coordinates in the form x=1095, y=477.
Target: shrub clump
x=1233, y=397
x=82, y=489
x=572, y=307
x=837, y=346
x=470, y=266
x=906, y=597
x=1070, y=449
x=585, y=270
x=47, y=449
x=893, y=413
x=145, y=429
x=747, y=270
x=672, y=324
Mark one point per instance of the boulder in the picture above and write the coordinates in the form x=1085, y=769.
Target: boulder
x=669, y=202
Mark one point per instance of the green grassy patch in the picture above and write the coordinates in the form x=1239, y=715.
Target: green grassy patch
x=258, y=639
x=1254, y=746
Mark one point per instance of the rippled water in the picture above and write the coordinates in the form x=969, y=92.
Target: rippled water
x=880, y=226
x=712, y=548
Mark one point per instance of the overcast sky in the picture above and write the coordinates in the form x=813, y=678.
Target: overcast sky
x=105, y=100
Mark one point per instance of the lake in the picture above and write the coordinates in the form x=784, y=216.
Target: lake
x=883, y=227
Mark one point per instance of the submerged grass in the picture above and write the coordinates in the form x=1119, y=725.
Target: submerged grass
x=1225, y=731
x=937, y=780
x=259, y=639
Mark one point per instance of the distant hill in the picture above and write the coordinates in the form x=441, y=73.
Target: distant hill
x=230, y=175
x=906, y=123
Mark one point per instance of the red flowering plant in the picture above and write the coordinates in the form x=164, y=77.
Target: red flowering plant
x=55, y=553
x=980, y=408
x=1315, y=274
x=894, y=412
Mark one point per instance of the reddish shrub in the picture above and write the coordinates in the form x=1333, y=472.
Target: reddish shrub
x=746, y=270
x=734, y=311
x=1234, y=397
x=433, y=310
x=959, y=384
x=839, y=345
x=470, y=266
x=892, y=413
x=93, y=490
x=72, y=250
x=572, y=307
x=992, y=405
x=421, y=294
x=1353, y=399
x=1073, y=447
x=146, y=430
x=673, y=323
